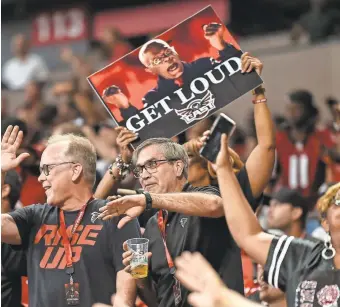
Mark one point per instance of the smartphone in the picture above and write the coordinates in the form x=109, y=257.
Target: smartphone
x=222, y=124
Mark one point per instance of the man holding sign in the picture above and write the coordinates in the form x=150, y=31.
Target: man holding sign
x=191, y=218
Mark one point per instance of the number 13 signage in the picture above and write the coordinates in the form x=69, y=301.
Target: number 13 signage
x=60, y=27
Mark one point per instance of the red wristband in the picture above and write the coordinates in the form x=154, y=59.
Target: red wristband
x=254, y=101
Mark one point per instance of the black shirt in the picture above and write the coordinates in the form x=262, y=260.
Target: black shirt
x=97, y=247
x=127, y=113
x=209, y=236
x=13, y=266
x=297, y=267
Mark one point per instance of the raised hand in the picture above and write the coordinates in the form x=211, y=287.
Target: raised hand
x=223, y=157
x=214, y=33
x=132, y=206
x=124, y=138
x=250, y=63
x=10, y=144
x=197, y=280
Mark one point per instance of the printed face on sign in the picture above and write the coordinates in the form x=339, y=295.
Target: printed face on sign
x=162, y=60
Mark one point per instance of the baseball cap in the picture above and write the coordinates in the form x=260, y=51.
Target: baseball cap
x=290, y=196
x=111, y=90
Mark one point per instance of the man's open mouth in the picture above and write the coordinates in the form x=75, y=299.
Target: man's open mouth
x=172, y=67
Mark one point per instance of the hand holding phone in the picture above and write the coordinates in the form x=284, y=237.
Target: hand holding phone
x=222, y=124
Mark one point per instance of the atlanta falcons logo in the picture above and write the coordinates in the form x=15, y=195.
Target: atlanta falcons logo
x=197, y=109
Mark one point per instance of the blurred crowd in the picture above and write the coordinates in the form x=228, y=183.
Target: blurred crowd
x=307, y=160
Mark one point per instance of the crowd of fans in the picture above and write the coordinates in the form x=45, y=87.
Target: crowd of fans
x=292, y=175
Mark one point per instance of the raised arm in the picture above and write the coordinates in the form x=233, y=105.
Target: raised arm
x=260, y=173
x=241, y=220
x=9, y=230
x=10, y=143
x=195, y=203
x=112, y=180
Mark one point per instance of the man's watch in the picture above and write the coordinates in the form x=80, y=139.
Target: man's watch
x=259, y=90
x=148, y=198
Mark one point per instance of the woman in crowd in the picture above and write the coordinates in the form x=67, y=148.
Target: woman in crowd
x=308, y=273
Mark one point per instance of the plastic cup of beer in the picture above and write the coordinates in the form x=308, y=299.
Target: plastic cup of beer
x=139, y=262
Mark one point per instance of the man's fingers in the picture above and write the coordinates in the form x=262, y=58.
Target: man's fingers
x=127, y=260
x=109, y=216
x=18, y=139
x=127, y=141
x=13, y=135
x=124, y=136
x=113, y=197
x=189, y=281
x=125, y=246
x=124, y=221
x=22, y=157
x=128, y=269
x=126, y=254
x=7, y=134
x=246, y=65
x=102, y=209
x=251, y=66
x=246, y=54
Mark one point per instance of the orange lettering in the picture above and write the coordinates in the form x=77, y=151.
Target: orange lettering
x=76, y=252
x=56, y=259
x=42, y=233
x=87, y=233
x=47, y=255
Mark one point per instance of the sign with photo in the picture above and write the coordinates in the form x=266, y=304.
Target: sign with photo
x=176, y=79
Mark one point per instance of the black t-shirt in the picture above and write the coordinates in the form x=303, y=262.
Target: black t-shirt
x=209, y=236
x=297, y=267
x=13, y=266
x=97, y=248
x=128, y=112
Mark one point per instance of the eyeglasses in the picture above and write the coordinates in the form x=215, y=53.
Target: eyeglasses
x=150, y=167
x=157, y=60
x=46, y=168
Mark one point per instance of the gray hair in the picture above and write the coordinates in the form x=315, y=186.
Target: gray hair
x=170, y=150
x=81, y=150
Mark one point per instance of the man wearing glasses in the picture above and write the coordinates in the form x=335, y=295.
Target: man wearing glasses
x=71, y=258
x=189, y=218
x=113, y=95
